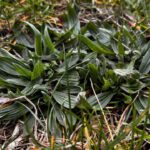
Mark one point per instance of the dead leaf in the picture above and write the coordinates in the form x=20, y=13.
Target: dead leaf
x=24, y=17
x=52, y=141
x=55, y=20
x=22, y=2
x=4, y=100
x=132, y=24
x=17, y=138
x=7, y=101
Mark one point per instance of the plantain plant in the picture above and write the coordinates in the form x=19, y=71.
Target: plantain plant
x=74, y=71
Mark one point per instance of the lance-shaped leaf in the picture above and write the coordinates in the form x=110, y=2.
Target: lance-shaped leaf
x=65, y=36
x=38, y=70
x=7, y=67
x=104, y=99
x=145, y=64
x=65, y=100
x=12, y=112
x=72, y=60
x=70, y=79
x=94, y=46
x=17, y=81
x=38, y=39
x=48, y=40
x=132, y=87
x=23, y=71
x=25, y=39
x=126, y=71
x=53, y=126
x=71, y=18
x=141, y=104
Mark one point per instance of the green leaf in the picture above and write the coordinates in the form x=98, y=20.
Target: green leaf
x=83, y=103
x=93, y=69
x=129, y=35
x=25, y=40
x=71, y=18
x=91, y=27
x=64, y=37
x=63, y=99
x=28, y=125
x=48, y=40
x=30, y=87
x=94, y=46
x=17, y=81
x=3, y=83
x=38, y=39
x=38, y=70
x=120, y=48
x=12, y=112
x=9, y=56
x=23, y=71
x=107, y=84
x=70, y=79
x=145, y=64
x=141, y=117
x=60, y=115
x=40, y=87
x=53, y=126
x=124, y=72
x=89, y=57
x=71, y=117
x=72, y=60
x=128, y=99
x=72, y=89
x=141, y=104
x=140, y=132
x=132, y=87
x=7, y=67
x=105, y=36
x=104, y=99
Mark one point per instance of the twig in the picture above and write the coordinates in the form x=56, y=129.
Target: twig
x=34, y=114
x=111, y=136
